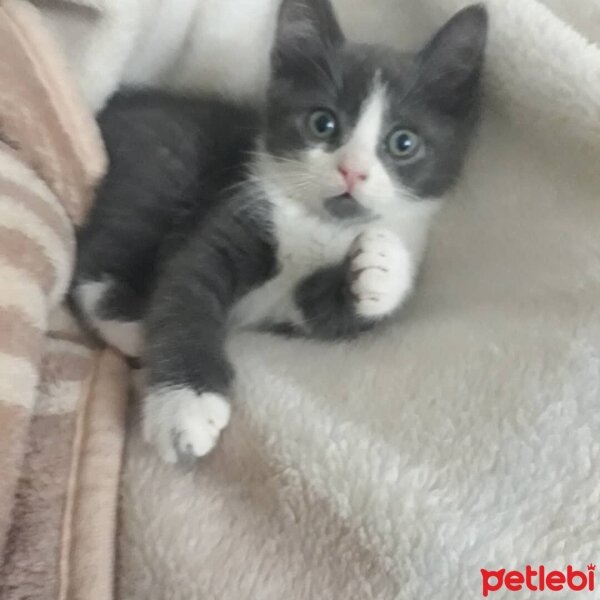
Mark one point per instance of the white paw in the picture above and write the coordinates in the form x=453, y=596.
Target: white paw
x=183, y=424
x=125, y=336
x=381, y=273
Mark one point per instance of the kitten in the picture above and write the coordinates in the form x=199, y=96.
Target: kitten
x=311, y=216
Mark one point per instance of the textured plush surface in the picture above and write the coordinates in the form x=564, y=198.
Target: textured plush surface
x=61, y=402
x=463, y=437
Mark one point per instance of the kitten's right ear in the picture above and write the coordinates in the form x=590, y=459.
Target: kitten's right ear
x=452, y=61
x=305, y=27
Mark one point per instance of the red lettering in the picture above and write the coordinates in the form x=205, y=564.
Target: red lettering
x=488, y=586
x=529, y=575
x=572, y=576
x=514, y=581
x=555, y=581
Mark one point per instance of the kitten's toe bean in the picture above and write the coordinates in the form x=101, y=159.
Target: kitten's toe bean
x=381, y=273
x=183, y=424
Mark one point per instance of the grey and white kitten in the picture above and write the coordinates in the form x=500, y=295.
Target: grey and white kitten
x=310, y=216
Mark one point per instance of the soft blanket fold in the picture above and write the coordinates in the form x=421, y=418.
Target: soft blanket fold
x=61, y=401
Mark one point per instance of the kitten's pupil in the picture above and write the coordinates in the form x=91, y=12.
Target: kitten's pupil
x=322, y=124
x=404, y=143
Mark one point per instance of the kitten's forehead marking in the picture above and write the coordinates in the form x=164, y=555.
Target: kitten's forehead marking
x=364, y=140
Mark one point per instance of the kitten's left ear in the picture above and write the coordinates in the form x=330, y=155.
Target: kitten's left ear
x=451, y=63
x=304, y=27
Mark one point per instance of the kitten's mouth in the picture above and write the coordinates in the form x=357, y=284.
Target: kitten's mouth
x=345, y=206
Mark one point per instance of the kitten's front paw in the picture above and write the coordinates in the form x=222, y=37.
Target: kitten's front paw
x=182, y=424
x=381, y=273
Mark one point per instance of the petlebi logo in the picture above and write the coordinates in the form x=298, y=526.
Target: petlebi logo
x=539, y=579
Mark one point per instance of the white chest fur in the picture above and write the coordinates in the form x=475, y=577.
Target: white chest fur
x=306, y=243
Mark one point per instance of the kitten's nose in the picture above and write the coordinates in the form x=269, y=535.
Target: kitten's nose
x=351, y=176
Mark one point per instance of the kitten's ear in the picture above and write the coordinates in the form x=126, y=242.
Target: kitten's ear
x=451, y=63
x=305, y=27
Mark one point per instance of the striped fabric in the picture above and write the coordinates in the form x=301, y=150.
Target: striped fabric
x=61, y=400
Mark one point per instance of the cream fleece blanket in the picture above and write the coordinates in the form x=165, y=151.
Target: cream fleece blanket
x=466, y=436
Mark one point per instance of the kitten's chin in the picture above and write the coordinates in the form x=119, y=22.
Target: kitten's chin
x=345, y=207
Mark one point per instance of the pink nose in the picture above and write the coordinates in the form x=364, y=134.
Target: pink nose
x=351, y=176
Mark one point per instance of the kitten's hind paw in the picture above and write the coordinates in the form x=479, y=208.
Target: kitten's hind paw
x=381, y=273
x=182, y=424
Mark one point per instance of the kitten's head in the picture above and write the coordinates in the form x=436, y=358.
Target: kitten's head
x=361, y=129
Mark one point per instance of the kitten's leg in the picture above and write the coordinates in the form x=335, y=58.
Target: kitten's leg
x=189, y=376
x=151, y=191
x=113, y=311
x=345, y=299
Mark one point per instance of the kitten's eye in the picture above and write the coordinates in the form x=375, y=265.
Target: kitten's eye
x=322, y=124
x=403, y=144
